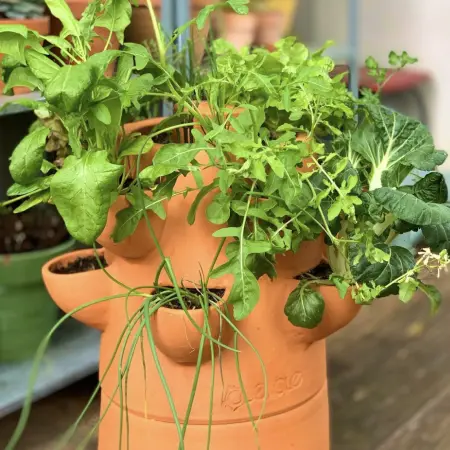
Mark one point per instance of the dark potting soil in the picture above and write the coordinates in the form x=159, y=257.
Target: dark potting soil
x=85, y=264
x=175, y=304
x=163, y=138
x=321, y=272
x=36, y=229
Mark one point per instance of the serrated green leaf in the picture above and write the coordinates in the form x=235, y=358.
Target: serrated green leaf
x=116, y=17
x=205, y=190
x=27, y=157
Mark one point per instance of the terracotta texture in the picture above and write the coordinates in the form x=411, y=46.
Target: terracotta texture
x=296, y=412
x=41, y=25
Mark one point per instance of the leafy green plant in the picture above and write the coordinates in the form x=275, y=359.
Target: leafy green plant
x=295, y=158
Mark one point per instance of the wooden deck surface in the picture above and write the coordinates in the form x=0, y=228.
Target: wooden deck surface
x=389, y=377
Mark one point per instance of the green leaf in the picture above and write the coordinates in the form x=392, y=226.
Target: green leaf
x=13, y=41
x=407, y=290
x=390, y=139
x=139, y=52
x=125, y=65
x=437, y=237
x=178, y=155
x=228, y=232
x=116, y=17
x=239, y=6
x=40, y=184
x=411, y=209
x=381, y=273
x=200, y=196
x=224, y=269
x=127, y=221
x=82, y=192
x=22, y=76
x=218, y=211
x=341, y=284
x=60, y=10
x=101, y=61
x=203, y=16
x=69, y=86
x=244, y=294
x=137, y=88
x=433, y=295
x=41, y=66
x=72, y=124
x=102, y=113
x=305, y=307
x=276, y=165
x=136, y=146
x=26, y=159
x=432, y=188
x=35, y=199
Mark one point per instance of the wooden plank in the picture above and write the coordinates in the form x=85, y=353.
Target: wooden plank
x=384, y=367
x=428, y=429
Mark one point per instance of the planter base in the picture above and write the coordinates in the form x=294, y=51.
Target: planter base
x=305, y=427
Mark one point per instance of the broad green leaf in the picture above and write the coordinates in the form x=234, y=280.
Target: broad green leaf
x=244, y=294
x=205, y=190
x=137, y=88
x=125, y=65
x=101, y=61
x=433, y=294
x=276, y=165
x=136, y=146
x=437, y=237
x=218, y=211
x=432, y=188
x=203, y=16
x=26, y=159
x=258, y=170
x=35, y=199
x=127, y=221
x=47, y=166
x=224, y=269
x=60, y=10
x=82, y=191
x=411, y=209
x=41, y=66
x=116, y=17
x=22, y=76
x=256, y=246
x=72, y=124
x=40, y=184
x=139, y=52
x=179, y=155
x=102, y=113
x=261, y=264
x=305, y=307
x=69, y=86
x=88, y=18
x=150, y=174
x=59, y=42
x=407, y=290
x=239, y=6
x=382, y=273
x=13, y=44
x=390, y=139
x=228, y=232
x=18, y=29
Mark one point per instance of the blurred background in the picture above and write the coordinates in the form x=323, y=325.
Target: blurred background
x=390, y=369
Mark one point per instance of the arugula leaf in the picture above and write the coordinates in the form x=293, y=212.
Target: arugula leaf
x=178, y=155
x=205, y=190
x=82, y=190
x=60, y=10
x=136, y=146
x=218, y=211
x=116, y=17
x=244, y=294
x=305, y=307
x=26, y=159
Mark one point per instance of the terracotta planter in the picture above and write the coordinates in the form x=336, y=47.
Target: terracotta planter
x=140, y=243
x=237, y=29
x=41, y=25
x=296, y=412
x=141, y=28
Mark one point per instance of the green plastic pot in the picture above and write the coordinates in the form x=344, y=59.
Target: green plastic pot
x=27, y=313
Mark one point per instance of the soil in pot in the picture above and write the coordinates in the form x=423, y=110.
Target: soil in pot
x=36, y=229
x=320, y=272
x=214, y=296
x=79, y=265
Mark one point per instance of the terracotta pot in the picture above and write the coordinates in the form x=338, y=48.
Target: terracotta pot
x=178, y=339
x=98, y=45
x=237, y=29
x=144, y=127
x=140, y=243
x=296, y=412
x=141, y=28
x=41, y=25
x=73, y=290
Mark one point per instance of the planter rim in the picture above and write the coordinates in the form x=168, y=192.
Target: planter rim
x=68, y=257
x=42, y=20
x=132, y=127
x=39, y=254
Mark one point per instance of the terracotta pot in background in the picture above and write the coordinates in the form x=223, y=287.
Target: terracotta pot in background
x=237, y=29
x=141, y=28
x=41, y=25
